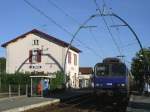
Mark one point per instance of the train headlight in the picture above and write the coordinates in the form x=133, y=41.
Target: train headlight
x=101, y=85
x=97, y=85
x=92, y=84
x=123, y=85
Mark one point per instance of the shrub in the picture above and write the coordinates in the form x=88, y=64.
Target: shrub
x=15, y=79
x=58, y=82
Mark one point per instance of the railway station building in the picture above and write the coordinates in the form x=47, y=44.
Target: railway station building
x=85, y=77
x=38, y=52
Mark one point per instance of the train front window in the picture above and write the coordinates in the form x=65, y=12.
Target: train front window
x=118, y=69
x=102, y=70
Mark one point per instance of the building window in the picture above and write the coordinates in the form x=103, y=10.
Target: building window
x=30, y=66
x=69, y=57
x=35, y=42
x=75, y=59
x=51, y=66
x=35, y=56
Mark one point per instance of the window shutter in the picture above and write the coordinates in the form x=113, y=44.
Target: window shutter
x=75, y=59
x=30, y=56
x=39, y=55
x=69, y=57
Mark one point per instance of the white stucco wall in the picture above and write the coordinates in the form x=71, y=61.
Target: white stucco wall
x=85, y=76
x=73, y=70
x=17, y=52
x=85, y=80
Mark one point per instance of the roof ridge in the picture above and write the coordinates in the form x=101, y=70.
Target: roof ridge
x=45, y=36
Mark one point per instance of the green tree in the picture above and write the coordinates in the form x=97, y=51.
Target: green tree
x=2, y=65
x=140, y=66
x=58, y=82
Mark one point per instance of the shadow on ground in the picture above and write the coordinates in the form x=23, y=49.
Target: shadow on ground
x=140, y=105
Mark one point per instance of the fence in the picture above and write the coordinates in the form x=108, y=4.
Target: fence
x=14, y=84
x=13, y=90
x=20, y=84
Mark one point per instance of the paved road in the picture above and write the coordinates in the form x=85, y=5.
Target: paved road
x=139, y=104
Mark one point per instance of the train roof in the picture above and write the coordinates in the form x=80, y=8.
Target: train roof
x=111, y=60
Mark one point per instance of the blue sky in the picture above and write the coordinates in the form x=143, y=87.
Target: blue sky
x=17, y=18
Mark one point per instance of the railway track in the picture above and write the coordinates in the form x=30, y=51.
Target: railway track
x=82, y=103
x=65, y=104
x=77, y=101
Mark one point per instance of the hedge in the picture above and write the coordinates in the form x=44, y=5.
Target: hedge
x=23, y=79
x=15, y=79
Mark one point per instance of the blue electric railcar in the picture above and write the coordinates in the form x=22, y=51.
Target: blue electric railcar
x=111, y=77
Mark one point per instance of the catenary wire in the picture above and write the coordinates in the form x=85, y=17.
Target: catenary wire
x=73, y=19
x=58, y=25
x=96, y=40
x=63, y=11
x=109, y=31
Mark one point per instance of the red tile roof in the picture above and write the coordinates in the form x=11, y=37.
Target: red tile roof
x=86, y=70
x=45, y=36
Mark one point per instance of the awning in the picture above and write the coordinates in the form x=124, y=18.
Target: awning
x=43, y=76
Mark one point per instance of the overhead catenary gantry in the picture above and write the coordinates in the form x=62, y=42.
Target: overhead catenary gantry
x=99, y=15
x=83, y=26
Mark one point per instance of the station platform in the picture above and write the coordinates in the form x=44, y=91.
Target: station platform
x=18, y=104
x=139, y=103
x=23, y=103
